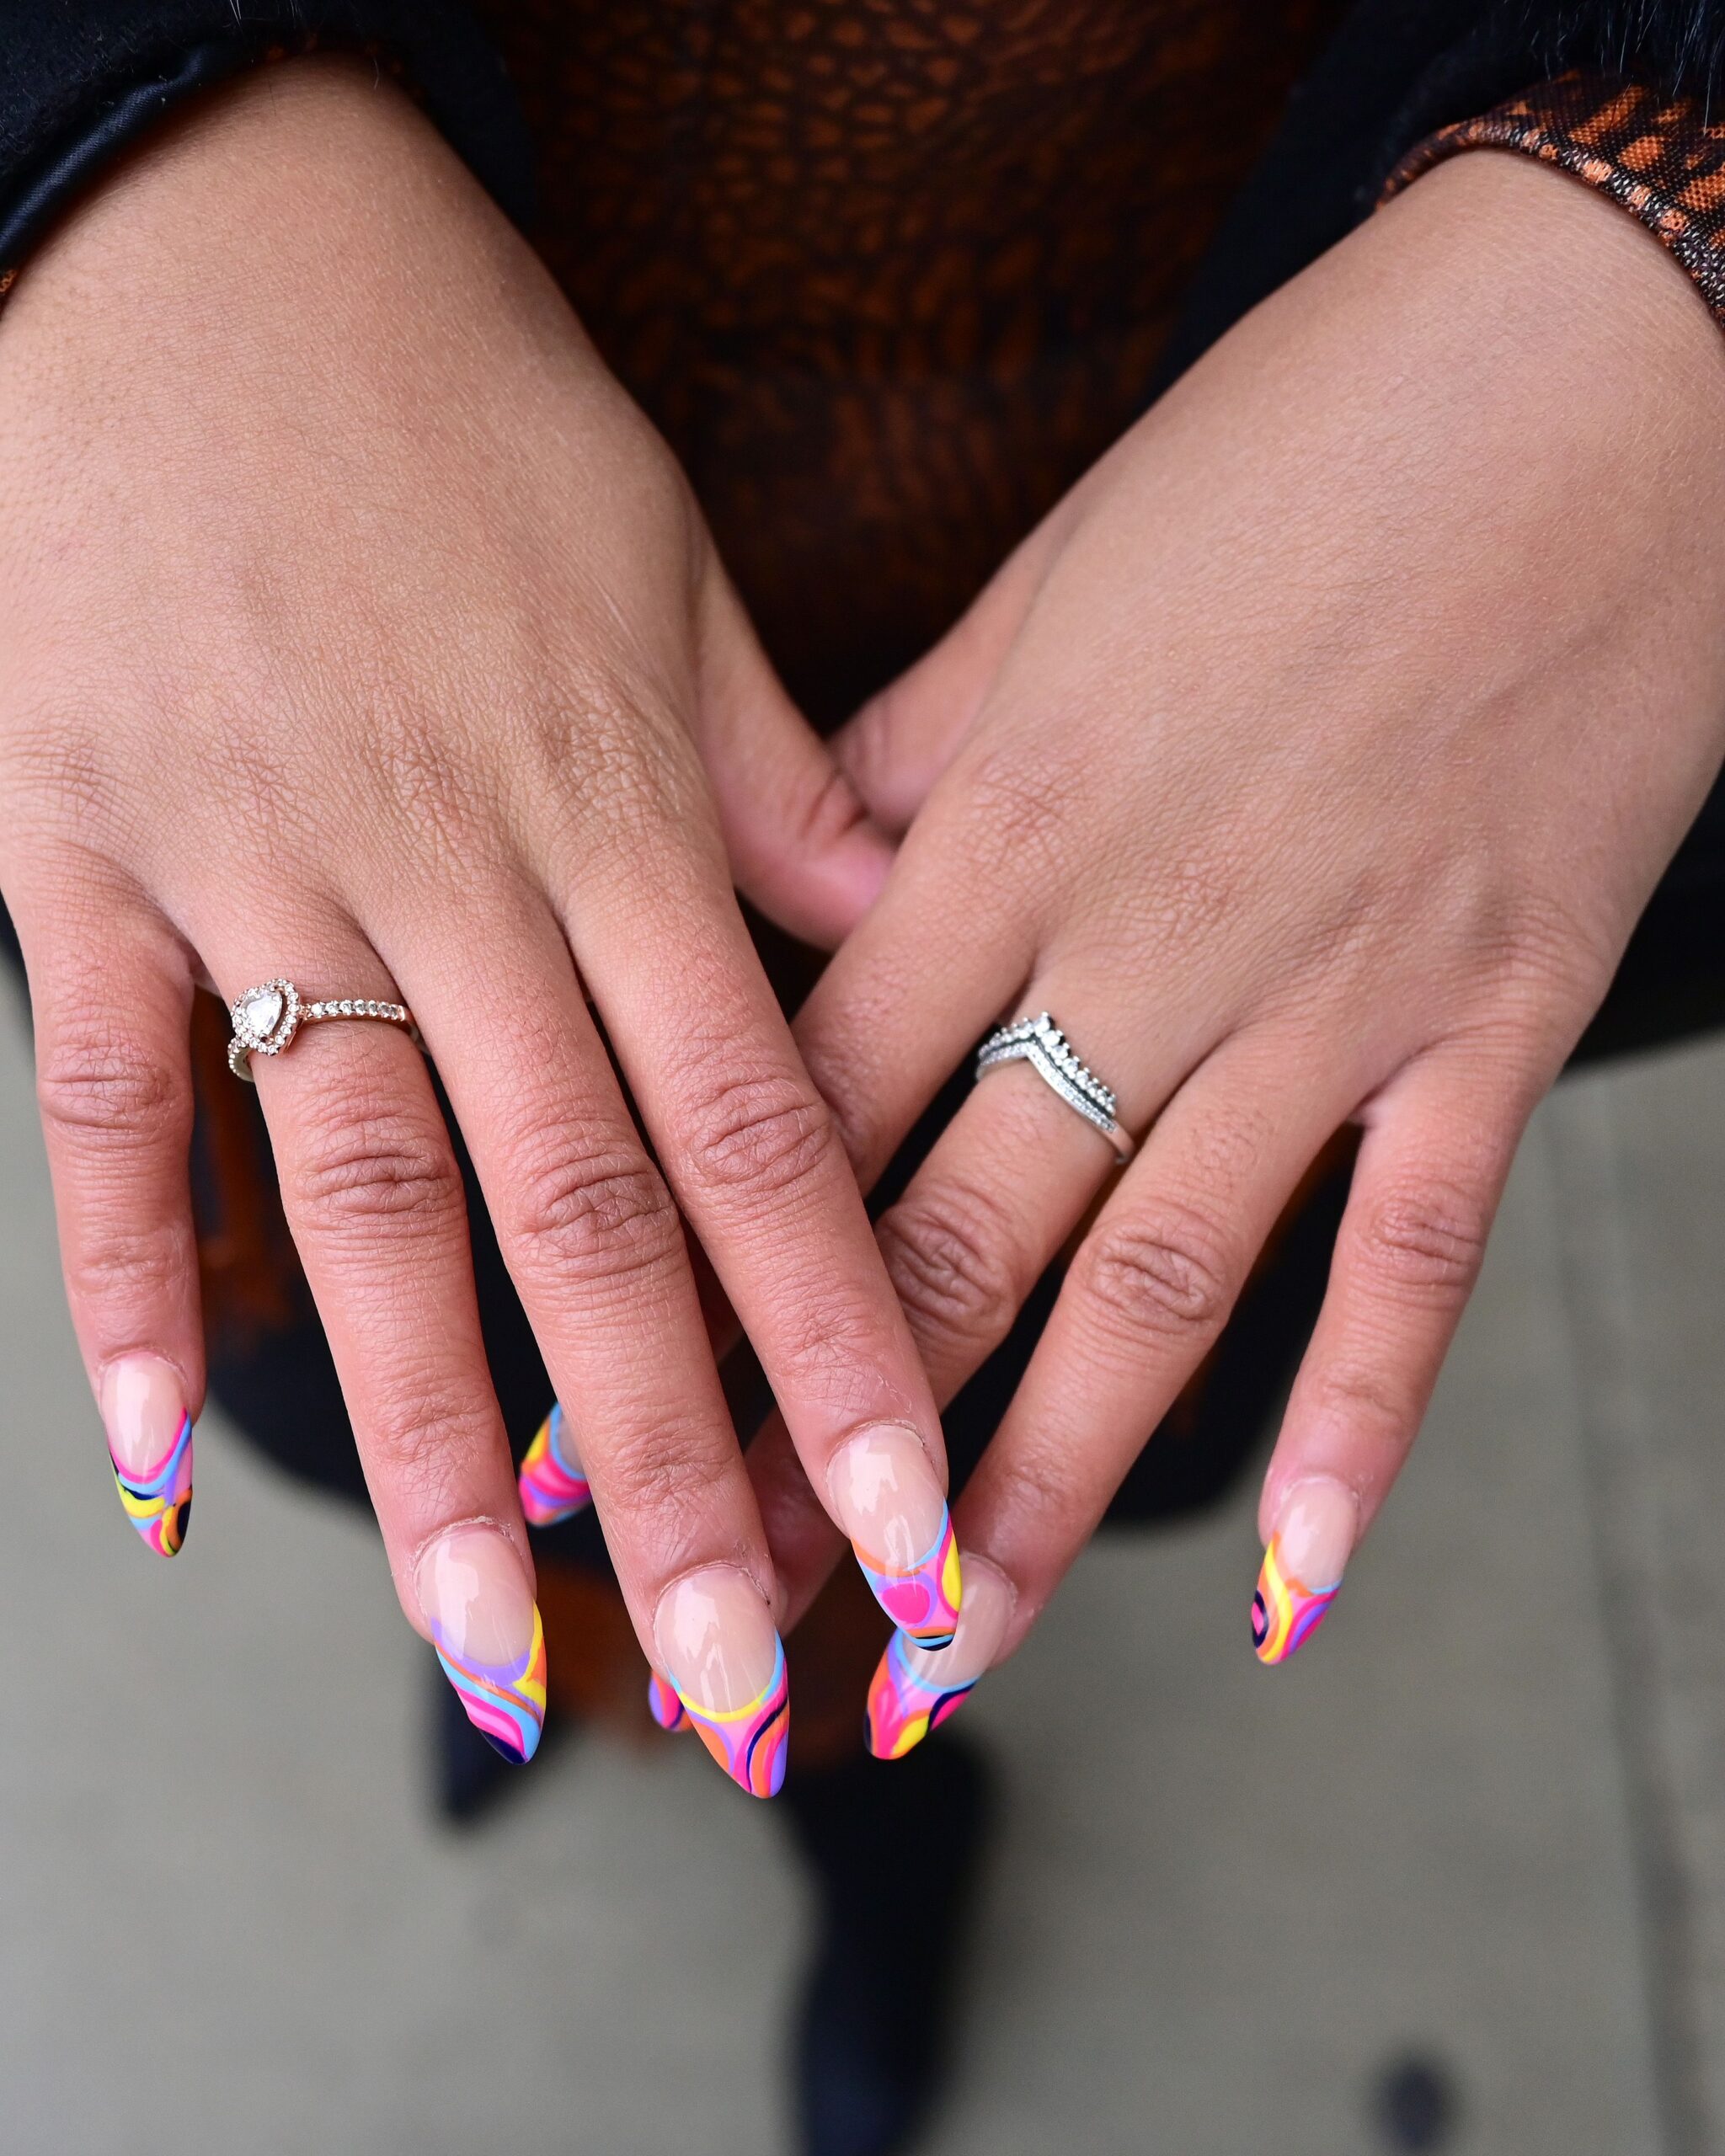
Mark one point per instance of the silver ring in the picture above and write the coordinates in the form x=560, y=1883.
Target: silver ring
x=266, y=1018
x=1040, y=1042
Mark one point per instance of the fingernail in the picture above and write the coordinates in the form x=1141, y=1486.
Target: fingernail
x=887, y=1500
x=663, y=1704
x=551, y=1482
x=1302, y=1567
x=484, y=1623
x=914, y=1691
x=150, y=1444
x=717, y=1644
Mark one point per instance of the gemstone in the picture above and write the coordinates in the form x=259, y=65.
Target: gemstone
x=260, y=1013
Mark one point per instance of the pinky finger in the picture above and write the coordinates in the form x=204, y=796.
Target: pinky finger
x=114, y=1086
x=1426, y=1186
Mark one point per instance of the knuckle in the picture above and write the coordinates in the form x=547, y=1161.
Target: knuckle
x=98, y=1086
x=1025, y=806
x=1428, y=1238
x=677, y=1477
x=594, y=1216
x=355, y=1171
x=1165, y=1276
x=762, y=1135
x=946, y=1253
x=142, y=1269
x=1370, y=1402
x=424, y=1445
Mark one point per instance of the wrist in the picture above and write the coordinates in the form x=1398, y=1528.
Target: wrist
x=286, y=194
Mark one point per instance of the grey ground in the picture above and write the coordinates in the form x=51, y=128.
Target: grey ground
x=1482, y=1822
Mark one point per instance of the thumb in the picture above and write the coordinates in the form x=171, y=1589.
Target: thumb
x=802, y=846
x=897, y=745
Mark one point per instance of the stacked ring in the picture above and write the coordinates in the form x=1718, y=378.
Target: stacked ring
x=1040, y=1042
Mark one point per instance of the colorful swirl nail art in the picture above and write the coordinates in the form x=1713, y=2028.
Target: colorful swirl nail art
x=750, y=1743
x=924, y=1601
x=552, y=1483
x=1285, y=1612
x=505, y=1702
x=903, y=1705
x=158, y=1502
x=663, y=1703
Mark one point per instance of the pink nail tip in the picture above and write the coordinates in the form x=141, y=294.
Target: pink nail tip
x=505, y=1702
x=904, y=1706
x=923, y=1601
x=158, y=1499
x=1285, y=1612
x=750, y=1743
x=664, y=1704
x=551, y=1483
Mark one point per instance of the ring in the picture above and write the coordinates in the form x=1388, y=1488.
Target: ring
x=1040, y=1042
x=266, y=1018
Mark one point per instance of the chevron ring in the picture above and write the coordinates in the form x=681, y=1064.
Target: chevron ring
x=1040, y=1042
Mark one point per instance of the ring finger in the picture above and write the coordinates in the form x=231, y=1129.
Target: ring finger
x=373, y=1196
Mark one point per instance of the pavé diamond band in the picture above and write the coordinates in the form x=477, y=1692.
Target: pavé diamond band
x=266, y=1018
x=1040, y=1042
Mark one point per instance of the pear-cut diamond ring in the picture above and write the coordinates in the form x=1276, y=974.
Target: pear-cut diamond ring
x=266, y=1018
x=1040, y=1042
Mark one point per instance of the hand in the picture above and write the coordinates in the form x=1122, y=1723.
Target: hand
x=1311, y=764
x=355, y=627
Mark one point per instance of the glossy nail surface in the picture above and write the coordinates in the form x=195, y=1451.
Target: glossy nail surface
x=914, y=1691
x=717, y=1644
x=1315, y=1527
x=664, y=1704
x=551, y=1483
x=150, y=1444
x=484, y=1625
x=887, y=1499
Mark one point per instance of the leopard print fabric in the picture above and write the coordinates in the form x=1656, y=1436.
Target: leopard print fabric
x=1664, y=162
x=889, y=274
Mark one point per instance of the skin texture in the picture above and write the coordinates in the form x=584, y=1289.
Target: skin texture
x=1312, y=763
x=354, y=625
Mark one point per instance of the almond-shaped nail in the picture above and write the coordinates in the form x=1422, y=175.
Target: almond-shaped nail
x=886, y=1498
x=663, y=1704
x=914, y=1691
x=719, y=1647
x=150, y=1444
x=484, y=1623
x=553, y=1484
x=1316, y=1526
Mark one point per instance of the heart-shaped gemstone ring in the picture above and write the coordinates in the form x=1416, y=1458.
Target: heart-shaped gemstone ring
x=266, y=1019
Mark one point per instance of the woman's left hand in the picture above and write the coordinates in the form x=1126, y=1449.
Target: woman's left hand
x=1311, y=764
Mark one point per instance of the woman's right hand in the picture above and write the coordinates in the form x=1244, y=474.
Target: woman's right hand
x=355, y=627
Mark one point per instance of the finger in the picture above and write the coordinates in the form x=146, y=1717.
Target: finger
x=112, y=1002
x=373, y=1196
x=801, y=844
x=898, y=744
x=593, y=1245
x=750, y=1149
x=1426, y=1185
x=1143, y=1301
x=944, y=953
x=1001, y=1191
